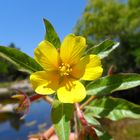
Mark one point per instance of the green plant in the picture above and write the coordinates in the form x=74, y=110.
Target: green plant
x=99, y=116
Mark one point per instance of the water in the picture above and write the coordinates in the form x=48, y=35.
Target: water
x=37, y=120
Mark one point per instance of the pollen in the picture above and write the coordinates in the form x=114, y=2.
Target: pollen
x=65, y=69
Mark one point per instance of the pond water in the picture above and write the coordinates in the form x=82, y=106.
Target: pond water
x=37, y=120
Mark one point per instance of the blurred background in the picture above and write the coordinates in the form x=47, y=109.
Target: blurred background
x=21, y=27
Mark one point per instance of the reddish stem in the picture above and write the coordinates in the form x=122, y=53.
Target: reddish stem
x=49, y=132
x=88, y=129
x=35, y=97
x=110, y=71
x=80, y=115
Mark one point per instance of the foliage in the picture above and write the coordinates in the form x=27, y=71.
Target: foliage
x=51, y=35
x=112, y=108
x=8, y=71
x=104, y=48
x=112, y=19
x=20, y=59
x=109, y=84
x=102, y=114
x=61, y=121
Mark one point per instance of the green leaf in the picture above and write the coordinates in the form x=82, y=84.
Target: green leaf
x=109, y=84
x=92, y=120
x=20, y=59
x=112, y=108
x=61, y=115
x=102, y=134
x=103, y=49
x=105, y=136
x=51, y=34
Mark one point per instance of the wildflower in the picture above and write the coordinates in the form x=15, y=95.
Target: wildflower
x=64, y=69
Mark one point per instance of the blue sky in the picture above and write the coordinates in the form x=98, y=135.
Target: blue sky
x=21, y=21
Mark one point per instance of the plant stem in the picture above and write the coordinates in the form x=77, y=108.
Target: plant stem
x=37, y=96
x=87, y=102
x=110, y=71
x=49, y=132
x=76, y=126
x=48, y=99
x=88, y=129
x=43, y=136
x=80, y=115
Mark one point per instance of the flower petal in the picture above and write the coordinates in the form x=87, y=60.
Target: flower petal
x=43, y=90
x=79, y=69
x=76, y=94
x=44, y=82
x=72, y=49
x=93, y=69
x=47, y=56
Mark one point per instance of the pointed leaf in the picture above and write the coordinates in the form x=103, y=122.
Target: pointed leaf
x=51, y=34
x=112, y=108
x=102, y=134
x=103, y=49
x=61, y=115
x=20, y=59
x=109, y=84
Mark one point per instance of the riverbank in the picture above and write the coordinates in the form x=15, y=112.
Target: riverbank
x=10, y=87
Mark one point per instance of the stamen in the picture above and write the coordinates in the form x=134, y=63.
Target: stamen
x=69, y=85
x=65, y=69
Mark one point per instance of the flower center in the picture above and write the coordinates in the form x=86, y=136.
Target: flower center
x=65, y=69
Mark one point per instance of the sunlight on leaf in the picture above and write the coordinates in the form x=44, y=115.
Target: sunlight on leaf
x=108, y=84
x=112, y=108
x=20, y=59
x=51, y=34
x=61, y=115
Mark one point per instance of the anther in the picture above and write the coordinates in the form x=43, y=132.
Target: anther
x=65, y=69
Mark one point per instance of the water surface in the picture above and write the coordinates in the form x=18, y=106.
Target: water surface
x=37, y=120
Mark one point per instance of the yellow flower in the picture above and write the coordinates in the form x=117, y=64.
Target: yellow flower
x=63, y=69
